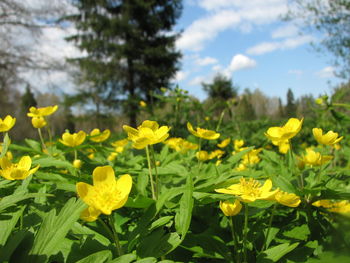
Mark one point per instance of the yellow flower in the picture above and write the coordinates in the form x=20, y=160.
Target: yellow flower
x=249, y=191
x=41, y=112
x=230, y=209
x=107, y=193
x=120, y=143
x=319, y=101
x=203, y=133
x=17, y=171
x=72, y=140
x=315, y=158
x=238, y=144
x=181, y=145
x=112, y=156
x=97, y=136
x=142, y=104
x=38, y=122
x=342, y=207
x=286, y=132
x=77, y=163
x=90, y=214
x=216, y=154
x=207, y=118
x=283, y=146
x=147, y=133
x=330, y=138
x=224, y=143
x=323, y=203
x=7, y=123
x=287, y=199
x=202, y=156
x=241, y=167
x=251, y=157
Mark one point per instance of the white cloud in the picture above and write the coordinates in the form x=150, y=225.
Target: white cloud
x=296, y=72
x=198, y=80
x=327, y=72
x=288, y=43
x=239, y=62
x=206, y=29
x=180, y=75
x=285, y=31
x=224, y=14
x=205, y=61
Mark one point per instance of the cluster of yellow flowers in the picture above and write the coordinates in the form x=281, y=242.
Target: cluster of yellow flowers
x=181, y=145
x=38, y=115
x=250, y=191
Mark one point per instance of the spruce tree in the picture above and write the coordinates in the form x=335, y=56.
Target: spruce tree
x=130, y=53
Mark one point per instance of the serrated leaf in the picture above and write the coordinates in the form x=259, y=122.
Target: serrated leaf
x=5, y=145
x=100, y=257
x=54, y=229
x=276, y=253
x=7, y=223
x=49, y=161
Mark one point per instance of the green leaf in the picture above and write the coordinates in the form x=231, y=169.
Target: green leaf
x=184, y=215
x=160, y=222
x=12, y=243
x=276, y=253
x=147, y=260
x=298, y=232
x=7, y=223
x=49, y=161
x=54, y=229
x=11, y=200
x=5, y=145
x=99, y=257
x=124, y=259
x=36, y=146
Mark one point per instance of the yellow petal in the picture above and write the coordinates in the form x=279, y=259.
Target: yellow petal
x=90, y=214
x=153, y=125
x=25, y=163
x=103, y=176
x=87, y=193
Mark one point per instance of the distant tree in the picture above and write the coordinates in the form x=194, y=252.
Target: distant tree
x=130, y=52
x=245, y=110
x=259, y=103
x=221, y=88
x=28, y=100
x=290, y=108
x=305, y=106
x=332, y=19
x=280, y=109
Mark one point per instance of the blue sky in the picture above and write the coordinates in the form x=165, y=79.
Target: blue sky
x=248, y=42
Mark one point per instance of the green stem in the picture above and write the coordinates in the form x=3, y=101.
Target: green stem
x=75, y=154
x=269, y=226
x=235, y=241
x=115, y=236
x=341, y=105
x=245, y=232
x=42, y=139
x=150, y=173
x=157, y=186
x=220, y=120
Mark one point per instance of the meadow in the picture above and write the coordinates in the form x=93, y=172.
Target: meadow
x=203, y=190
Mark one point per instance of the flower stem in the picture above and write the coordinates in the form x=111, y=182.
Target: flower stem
x=245, y=232
x=235, y=241
x=220, y=120
x=269, y=226
x=150, y=173
x=115, y=236
x=157, y=186
x=42, y=139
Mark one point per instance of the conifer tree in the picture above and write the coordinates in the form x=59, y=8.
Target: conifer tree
x=130, y=52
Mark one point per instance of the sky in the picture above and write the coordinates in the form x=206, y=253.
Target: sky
x=245, y=40
x=248, y=42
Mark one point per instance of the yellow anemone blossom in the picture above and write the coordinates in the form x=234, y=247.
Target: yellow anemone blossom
x=330, y=138
x=147, y=133
x=238, y=144
x=41, y=112
x=224, y=143
x=142, y=104
x=120, y=143
x=283, y=146
x=72, y=140
x=202, y=156
x=77, y=163
x=97, y=136
x=90, y=214
x=287, y=199
x=313, y=158
x=203, y=133
x=342, y=207
x=17, y=171
x=7, y=123
x=286, y=132
x=230, y=209
x=106, y=194
x=216, y=154
x=252, y=157
x=249, y=191
x=181, y=145
x=39, y=122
